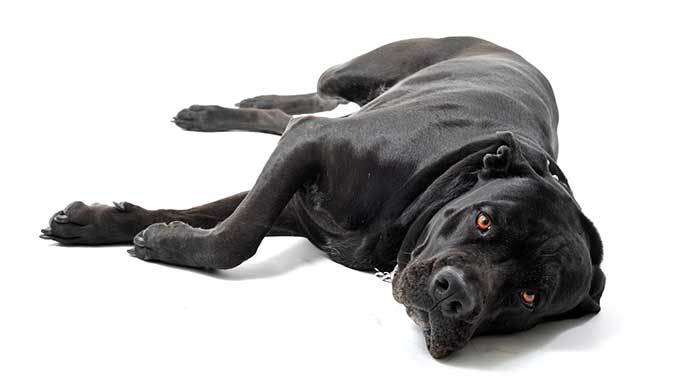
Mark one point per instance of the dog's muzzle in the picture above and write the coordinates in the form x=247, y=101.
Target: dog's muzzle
x=454, y=295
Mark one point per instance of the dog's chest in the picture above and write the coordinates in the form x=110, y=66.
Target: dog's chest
x=352, y=198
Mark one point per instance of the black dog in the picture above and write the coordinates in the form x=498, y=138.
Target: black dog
x=447, y=173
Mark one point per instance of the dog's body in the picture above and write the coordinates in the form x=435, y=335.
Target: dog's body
x=449, y=129
x=378, y=160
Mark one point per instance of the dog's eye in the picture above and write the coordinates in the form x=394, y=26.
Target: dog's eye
x=528, y=297
x=483, y=222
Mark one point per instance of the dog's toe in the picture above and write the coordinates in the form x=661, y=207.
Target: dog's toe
x=120, y=206
x=185, y=114
x=198, y=118
x=176, y=243
x=145, y=243
x=141, y=253
x=246, y=103
x=140, y=250
x=184, y=124
x=197, y=107
x=61, y=218
x=139, y=241
x=261, y=102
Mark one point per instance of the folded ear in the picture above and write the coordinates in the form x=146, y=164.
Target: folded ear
x=590, y=304
x=497, y=164
x=594, y=242
x=514, y=157
x=597, y=286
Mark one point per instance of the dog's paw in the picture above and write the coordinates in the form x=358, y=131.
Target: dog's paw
x=264, y=102
x=176, y=243
x=201, y=118
x=97, y=224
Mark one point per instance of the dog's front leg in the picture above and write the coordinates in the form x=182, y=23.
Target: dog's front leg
x=236, y=238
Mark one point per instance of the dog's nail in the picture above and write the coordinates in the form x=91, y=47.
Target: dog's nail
x=131, y=252
x=139, y=241
x=61, y=218
x=46, y=231
x=43, y=236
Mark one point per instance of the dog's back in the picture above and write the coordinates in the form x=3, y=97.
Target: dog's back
x=448, y=172
x=478, y=93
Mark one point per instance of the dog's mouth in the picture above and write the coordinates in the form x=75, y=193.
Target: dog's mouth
x=442, y=336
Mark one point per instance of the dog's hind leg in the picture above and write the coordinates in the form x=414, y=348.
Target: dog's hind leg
x=367, y=76
x=359, y=80
x=293, y=104
x=266, y=113
x=364, y=77
x=80, y=224
x=217, y=119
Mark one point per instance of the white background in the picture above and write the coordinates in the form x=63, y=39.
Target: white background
x=87, y=91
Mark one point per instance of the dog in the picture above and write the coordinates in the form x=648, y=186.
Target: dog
x=446, y=174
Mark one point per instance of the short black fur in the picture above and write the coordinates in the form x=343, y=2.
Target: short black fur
x=447, y=172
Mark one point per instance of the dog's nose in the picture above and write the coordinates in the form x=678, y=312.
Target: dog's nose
x=454, y=296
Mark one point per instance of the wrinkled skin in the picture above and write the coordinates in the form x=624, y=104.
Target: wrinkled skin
x=539, y=241
x=447, y=171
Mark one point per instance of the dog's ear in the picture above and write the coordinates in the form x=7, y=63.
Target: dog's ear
x=497, y=165
x=594, y=242
x=513, y=157
x=591, y=302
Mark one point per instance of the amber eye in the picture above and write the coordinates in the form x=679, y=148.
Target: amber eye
x=483, y=222
x=528, y=297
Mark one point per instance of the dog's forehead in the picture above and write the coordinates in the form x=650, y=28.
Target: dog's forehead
x=527, y=226
x=532, y=205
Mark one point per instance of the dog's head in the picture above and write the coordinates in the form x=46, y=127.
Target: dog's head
x=513, y=251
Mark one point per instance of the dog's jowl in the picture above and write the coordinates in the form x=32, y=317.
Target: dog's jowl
x=447, y=172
